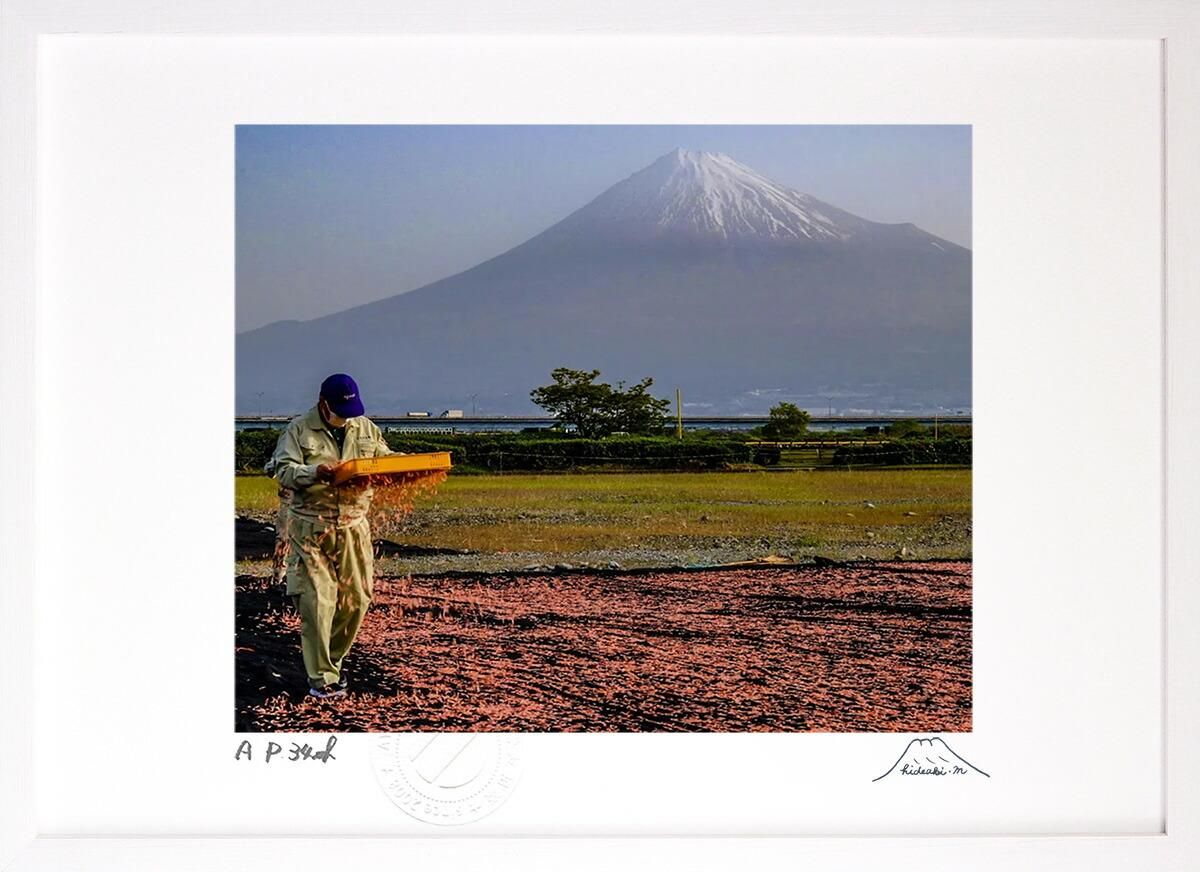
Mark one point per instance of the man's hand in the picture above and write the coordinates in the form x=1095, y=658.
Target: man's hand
x=325, y=472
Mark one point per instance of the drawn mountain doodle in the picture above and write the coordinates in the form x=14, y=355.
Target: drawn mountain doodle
x=931, y=757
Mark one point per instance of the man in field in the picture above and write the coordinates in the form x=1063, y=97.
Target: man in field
x=330, y=561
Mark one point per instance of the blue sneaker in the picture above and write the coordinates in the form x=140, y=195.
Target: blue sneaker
x=329, y=691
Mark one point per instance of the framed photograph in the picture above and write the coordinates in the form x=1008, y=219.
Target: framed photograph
x=578, y=549
x=648, y=426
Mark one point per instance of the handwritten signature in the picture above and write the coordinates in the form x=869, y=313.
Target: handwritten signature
x=931, y=757
x=298, y=751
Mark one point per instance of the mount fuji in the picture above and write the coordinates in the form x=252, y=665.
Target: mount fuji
x=697, y=271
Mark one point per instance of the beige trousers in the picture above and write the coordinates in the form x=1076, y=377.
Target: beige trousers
x=330, y=574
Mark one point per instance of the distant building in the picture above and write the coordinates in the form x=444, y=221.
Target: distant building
x=417, y=415
x=451, y=413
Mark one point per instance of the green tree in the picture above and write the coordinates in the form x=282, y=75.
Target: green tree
x=786, y=421
x=636, y=411
x=598, y=409
x=905, y=428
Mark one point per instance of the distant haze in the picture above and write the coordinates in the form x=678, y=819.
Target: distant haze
x=332, y=217
x=696, y=270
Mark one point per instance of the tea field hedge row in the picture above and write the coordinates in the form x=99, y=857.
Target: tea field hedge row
x=502, y=452
x=514, y=452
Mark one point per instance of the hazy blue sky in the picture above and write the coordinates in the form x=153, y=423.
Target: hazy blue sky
x=330, y=217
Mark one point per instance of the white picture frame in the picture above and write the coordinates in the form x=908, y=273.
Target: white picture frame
x=1175, y=24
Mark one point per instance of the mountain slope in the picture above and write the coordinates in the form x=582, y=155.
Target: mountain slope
x=704, y=196
x=696, y=271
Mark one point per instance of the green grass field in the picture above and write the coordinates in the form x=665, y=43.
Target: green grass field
x=926, y=510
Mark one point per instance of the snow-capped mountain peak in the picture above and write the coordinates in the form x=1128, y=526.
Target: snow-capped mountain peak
x=709, y=195
x=695, y=270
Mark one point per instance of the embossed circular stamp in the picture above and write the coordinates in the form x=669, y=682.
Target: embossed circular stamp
x=447, y=779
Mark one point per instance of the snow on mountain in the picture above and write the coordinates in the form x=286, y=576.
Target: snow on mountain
x=705, y=195
x=696, y=271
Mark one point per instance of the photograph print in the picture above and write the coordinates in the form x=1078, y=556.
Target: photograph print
x=590, y=428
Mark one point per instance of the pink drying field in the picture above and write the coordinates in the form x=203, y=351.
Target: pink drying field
x=872, y=647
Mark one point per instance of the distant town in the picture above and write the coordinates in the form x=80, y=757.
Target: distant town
x=425, y=421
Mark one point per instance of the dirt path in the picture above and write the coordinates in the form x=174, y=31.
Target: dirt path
x=857, y=647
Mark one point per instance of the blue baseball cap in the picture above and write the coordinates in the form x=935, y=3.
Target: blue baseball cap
x=341, y=393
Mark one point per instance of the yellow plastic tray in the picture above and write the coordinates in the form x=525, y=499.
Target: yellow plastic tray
x=391, y=464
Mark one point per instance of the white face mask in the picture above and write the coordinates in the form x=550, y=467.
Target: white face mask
x=333, y=420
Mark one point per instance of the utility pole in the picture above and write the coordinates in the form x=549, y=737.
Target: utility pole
x=678, y=414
